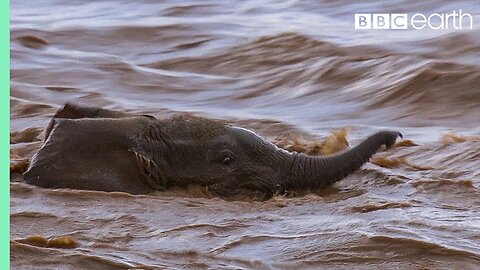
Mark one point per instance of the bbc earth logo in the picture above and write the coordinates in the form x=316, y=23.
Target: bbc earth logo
x=418, y=21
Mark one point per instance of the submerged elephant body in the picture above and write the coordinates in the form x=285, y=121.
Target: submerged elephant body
x=98, y=149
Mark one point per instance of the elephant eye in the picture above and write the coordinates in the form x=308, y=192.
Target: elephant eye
x=227, y=160
x=225, y=157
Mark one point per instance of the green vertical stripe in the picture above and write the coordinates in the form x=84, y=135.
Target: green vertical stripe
x=4, y=133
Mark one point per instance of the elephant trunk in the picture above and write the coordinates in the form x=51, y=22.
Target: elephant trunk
x=321, y=171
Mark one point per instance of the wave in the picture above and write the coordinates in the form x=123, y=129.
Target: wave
x=292, y=66
x=410, y=243
x=285, y=68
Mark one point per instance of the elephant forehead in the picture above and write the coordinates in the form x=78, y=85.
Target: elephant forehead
x=234, y=137
x=249, y=139
x=245, y=137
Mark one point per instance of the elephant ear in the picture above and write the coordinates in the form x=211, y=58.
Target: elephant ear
x=149, y=169
x=151, y=143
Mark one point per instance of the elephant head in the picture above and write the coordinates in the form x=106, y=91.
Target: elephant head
x=237, y=159
x=138, y=154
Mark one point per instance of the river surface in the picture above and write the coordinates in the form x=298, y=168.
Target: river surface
x=286, y=69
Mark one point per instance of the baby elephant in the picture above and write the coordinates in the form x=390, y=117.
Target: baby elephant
x=98, y=149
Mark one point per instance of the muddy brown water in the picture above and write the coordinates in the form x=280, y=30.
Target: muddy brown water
x=279, y=68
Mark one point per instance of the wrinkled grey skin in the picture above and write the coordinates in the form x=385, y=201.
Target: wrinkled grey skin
x=98, y=149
